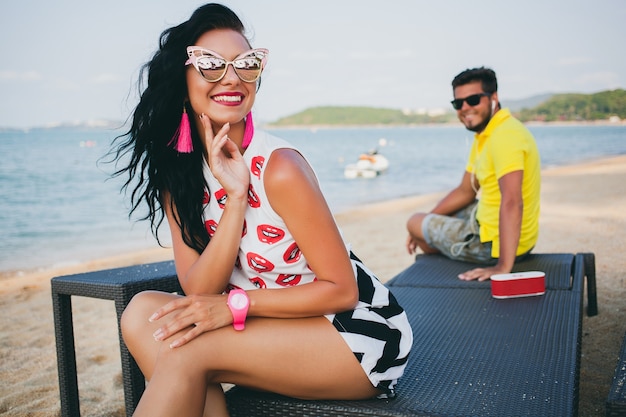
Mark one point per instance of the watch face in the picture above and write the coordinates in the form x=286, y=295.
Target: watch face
x=238, y=301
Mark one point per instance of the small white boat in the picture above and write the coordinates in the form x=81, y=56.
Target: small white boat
x=369, y=165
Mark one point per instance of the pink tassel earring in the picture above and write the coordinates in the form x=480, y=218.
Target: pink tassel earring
x=248, y=131
x=182, y=136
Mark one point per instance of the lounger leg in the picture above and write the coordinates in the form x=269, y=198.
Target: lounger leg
x=134, y=381
x=66, y=354
x=590, y=273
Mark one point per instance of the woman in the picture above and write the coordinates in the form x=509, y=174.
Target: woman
x=303, y=319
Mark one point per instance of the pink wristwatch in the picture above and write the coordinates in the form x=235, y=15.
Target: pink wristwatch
x=238, y=302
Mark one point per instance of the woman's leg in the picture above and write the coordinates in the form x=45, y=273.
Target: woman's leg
x=304, y=358
x=137, y=332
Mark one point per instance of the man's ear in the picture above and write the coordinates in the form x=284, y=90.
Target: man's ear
x=495, y=102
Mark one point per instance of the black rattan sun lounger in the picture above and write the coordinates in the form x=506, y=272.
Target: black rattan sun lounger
x=472, y=354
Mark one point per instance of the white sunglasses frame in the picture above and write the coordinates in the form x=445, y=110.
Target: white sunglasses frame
x=193, y=60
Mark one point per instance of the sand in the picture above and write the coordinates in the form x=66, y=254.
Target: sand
x=583, y=210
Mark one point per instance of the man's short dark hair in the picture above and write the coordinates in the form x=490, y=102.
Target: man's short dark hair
x=486, y=76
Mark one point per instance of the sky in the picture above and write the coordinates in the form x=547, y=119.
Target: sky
x=68, y=61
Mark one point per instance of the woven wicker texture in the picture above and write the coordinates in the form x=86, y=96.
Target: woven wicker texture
x=472, y=354
x=119, y=285
x=616, y=401
x=439, y=271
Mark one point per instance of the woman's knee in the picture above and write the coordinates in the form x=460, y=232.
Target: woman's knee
x=135, y=316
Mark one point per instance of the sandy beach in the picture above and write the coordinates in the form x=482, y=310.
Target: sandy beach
x=583, y=210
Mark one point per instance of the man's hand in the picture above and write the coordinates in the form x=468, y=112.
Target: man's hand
x=482, y=274
x=411, y=244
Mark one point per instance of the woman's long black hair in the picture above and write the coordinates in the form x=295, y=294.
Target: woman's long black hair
x=155, y=167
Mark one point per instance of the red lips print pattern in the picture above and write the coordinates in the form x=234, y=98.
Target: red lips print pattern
x=269, y=256
x=288, y=280
x=258, y=282
x=257, y=165
x=269, y=234
x=253, y=198
x=211, y=227
x=221, y=196
x=292, y=254
x=259, y=263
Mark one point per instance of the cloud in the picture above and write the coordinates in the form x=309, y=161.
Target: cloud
x=573, y=61
x=378, y=55
x=309, y=55
x=599, y=79
x=20, y=76
x=105, y=78
x=62, y=84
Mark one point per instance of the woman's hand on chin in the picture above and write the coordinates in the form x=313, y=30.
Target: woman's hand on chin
x=225, y=160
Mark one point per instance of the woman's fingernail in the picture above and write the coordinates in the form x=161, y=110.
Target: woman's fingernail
x=174, y=344
x=153, y=317
x=158, y=335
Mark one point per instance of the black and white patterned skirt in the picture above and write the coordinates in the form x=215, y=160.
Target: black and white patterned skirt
x=377, y=331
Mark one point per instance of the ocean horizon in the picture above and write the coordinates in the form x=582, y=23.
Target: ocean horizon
x=59, y=205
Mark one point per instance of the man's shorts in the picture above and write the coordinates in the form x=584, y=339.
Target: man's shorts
x=458, y=236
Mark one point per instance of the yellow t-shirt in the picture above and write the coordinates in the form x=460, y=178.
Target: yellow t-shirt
x=505, y=146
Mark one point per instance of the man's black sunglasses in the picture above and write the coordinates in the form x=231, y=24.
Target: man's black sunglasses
x=472, y=100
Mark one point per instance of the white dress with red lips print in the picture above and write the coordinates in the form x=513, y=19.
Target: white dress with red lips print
x=269, y=257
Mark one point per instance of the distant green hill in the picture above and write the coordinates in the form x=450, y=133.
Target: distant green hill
x=336, y=116
x=546, y=107
x=578, y=107
x=525, y=103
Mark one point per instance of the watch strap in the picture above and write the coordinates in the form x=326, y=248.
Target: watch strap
x=238, y=309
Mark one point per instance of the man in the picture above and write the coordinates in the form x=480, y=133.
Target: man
x=504, y=164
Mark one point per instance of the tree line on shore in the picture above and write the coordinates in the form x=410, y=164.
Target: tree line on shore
x=579, y=107
x=570, y=107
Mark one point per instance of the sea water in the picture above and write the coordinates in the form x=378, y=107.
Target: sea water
x=59, y=204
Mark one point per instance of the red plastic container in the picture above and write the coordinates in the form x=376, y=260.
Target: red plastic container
x=518, y=284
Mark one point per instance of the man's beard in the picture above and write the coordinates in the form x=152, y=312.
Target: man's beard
x=479, y=127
